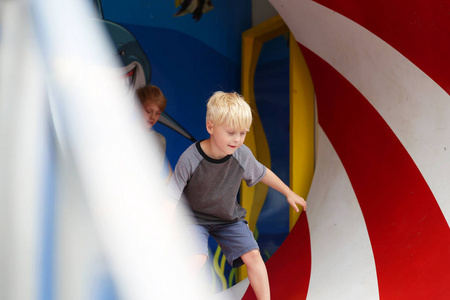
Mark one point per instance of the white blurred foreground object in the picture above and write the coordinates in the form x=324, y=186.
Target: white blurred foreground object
x=74, y=154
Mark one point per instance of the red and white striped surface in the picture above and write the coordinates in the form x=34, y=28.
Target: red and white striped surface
x=378, y=209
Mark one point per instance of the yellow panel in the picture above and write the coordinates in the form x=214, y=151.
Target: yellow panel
x=251, y=50
x=301, y=126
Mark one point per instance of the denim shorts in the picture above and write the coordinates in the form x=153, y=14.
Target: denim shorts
x=235, y=239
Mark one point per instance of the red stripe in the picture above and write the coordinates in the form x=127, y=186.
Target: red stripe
x=290, y=267
x=409, y=235
x=419, y=29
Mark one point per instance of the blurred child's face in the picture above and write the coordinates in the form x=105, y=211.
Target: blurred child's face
x=151, y=113
x=225, y=140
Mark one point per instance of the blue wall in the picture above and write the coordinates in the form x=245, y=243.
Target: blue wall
x=190, y=60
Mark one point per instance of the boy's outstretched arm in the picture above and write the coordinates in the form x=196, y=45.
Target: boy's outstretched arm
x=276, y=183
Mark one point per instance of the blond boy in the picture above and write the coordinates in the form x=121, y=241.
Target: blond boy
x=208, y=175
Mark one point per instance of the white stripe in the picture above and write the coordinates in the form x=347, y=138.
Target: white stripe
x=343, y=265
x=412, y=104
x=22, y=155
x=112, y=157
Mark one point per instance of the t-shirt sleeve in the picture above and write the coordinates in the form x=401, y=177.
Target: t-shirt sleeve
x=254, y=171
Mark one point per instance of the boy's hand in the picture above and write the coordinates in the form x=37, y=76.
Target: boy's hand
x=274, y=182
x=293, y=199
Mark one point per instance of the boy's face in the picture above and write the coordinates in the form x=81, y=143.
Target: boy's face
x=225, y=140
x=151, y=113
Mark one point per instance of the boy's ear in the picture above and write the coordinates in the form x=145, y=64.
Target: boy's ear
x=209, y=127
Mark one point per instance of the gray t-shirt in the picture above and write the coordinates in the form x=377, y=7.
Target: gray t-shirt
x=210, y=186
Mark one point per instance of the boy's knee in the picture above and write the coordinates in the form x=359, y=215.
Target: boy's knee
x=251, y=257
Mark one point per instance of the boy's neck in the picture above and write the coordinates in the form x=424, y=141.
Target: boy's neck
x=206, y=147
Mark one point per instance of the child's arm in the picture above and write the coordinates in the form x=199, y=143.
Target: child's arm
x=276, y=183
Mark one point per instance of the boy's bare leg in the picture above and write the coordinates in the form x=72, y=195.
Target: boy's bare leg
x=196, y=262
x=257, y=274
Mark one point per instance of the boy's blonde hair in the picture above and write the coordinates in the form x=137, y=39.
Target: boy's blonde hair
x=152, y=93
x=229, y=109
